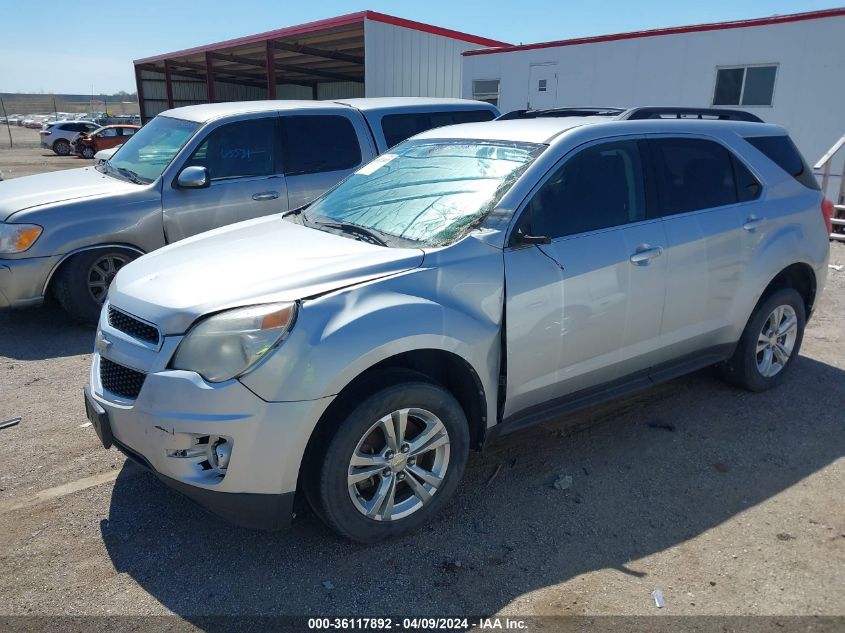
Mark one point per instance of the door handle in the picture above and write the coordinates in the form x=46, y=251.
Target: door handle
x=645, y=253
x=752, y=223
x=265, y=195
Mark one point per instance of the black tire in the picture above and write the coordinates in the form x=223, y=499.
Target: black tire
x=61, y=147
x=330, y=490
x=71, y=286
x=742, y=368
x=88, y=152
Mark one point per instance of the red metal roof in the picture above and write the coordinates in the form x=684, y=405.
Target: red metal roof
x=675, y=30
x=329, y=23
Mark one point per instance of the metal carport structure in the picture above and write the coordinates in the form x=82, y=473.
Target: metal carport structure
x=360, y=54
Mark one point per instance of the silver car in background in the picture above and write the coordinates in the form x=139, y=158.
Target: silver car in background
x=470, y=282
x=187, y=171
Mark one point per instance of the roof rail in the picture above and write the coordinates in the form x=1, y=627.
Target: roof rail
x=688, y=113
x=561, y=112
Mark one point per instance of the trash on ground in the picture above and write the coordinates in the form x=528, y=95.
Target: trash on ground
x=837, y=268
x=785, y=536
x=86, y=425
x=658, y=598
x=495, y=473
x=8, y=423
x=563, y=482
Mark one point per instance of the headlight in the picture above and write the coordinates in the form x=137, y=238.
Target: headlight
x=228, y=344
x=16, y=238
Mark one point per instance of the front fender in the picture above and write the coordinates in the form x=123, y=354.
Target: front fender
x=452, y=306
x=133, y=219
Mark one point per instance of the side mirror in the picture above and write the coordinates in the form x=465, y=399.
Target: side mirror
x=520, y=238
x=193, y=177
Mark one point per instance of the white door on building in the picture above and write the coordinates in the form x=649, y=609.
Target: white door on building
x=542, y=86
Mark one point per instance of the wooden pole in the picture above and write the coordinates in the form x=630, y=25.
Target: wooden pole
x=8, y=129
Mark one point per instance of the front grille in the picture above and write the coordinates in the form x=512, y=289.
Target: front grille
x=121, y=380
x=133, y=327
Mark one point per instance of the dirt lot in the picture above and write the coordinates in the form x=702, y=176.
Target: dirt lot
x=27, y=157
x=727, y=501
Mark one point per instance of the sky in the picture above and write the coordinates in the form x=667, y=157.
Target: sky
x=53, y=51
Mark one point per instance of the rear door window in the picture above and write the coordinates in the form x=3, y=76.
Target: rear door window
x=782, y=151
x=398, y=127
x=238, y=150
x=692, y=174
x=316, y=144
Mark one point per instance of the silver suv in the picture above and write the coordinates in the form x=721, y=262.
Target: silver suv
x=474, y=280
x=189, y=170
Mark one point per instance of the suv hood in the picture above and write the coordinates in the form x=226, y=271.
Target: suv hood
x=58, y=186
x=258, y=261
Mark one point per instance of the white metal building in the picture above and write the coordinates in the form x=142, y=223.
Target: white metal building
x=360, y=54
x=788, y=70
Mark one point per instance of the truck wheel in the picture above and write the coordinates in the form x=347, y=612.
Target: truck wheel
x=61, y=147
x=770, y=342
x=83, y=283
x=88, y=152
x=393, y=463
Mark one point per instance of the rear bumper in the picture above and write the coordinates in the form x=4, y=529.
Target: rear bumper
x=22, y=281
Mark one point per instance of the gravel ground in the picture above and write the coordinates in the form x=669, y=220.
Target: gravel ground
x=729, y=502
x=27, y=157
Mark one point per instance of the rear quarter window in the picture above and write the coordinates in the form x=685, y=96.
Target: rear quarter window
x=782, y=151
x=398, y=127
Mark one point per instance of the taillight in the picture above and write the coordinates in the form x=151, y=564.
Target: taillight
x=827, y=213
x=45, y=132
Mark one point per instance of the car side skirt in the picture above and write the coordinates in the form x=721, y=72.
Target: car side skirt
x=570, y=403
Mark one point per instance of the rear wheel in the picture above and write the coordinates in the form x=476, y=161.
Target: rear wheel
x=83, y=283
x=393, y=463
x=770, y=342
x=61, y=147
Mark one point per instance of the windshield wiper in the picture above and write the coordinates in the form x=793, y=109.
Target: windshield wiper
x=355, y=229
x=129, y=175
x=297, y=211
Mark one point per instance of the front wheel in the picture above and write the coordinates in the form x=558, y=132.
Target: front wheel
x=83, y=283
x=770, y=342
x=88, y=152
x=393, y=463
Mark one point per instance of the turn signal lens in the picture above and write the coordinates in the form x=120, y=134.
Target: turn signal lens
x=16, y=238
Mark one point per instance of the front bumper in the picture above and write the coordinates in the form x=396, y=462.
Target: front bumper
x=22, y=281
x=174, y=408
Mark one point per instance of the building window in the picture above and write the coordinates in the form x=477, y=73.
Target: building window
x=486, y=90
x=541, y=86
x=745, y=85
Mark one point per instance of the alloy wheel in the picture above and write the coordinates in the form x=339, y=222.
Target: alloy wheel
x=101, y=274
x=776, y=341
x=399, y=464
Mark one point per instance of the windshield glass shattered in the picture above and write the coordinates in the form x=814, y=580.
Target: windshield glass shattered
x=428, y=192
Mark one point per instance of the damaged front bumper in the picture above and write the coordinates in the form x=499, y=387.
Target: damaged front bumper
x=219, y=444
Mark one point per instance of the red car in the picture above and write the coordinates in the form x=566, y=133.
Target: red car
x=86, y=145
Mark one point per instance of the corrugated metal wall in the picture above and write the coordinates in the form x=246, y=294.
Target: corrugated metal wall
x=401, y=62
x=155, y=93
x=340, y=90
x=237, y=92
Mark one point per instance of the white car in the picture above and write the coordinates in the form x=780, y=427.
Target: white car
x=58, y=135
x=104, y=154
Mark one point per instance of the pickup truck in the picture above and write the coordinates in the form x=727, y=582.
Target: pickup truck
x=187, y=171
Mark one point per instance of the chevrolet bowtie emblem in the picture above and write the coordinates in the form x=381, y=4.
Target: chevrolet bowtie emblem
x=103, y=344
